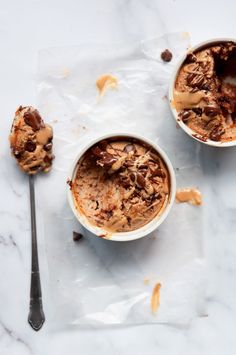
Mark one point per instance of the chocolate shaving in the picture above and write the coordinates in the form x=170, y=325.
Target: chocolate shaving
x=195, y=80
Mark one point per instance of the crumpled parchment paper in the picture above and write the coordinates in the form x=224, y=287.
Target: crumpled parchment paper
x=97, y=282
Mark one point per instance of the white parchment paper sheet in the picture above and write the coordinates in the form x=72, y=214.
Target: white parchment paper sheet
x=97, y=282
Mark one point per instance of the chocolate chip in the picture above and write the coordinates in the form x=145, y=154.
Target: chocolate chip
x=129, y=220
x=124, y=181
x=206, y=87
x=17, y=154
x=211, y=111
x=166, y=55
x=141, y=180
x=195, y=80
x=130, y=148
x=30, y=146
x=216, y=133
x=96, y=151
x=191, y=58
x=143, y=166
x=36, y=167
x=184, y=115
x=233, y=116
x=48, y=160
x=103, y=157
x=107, y=159
x=128, y=163
x=133, y=177
x=109, y=214
x=197, y=110
x=103, y=144
x=77, y=236
x=33, y=119
x=48, y=147
x=158, y=172
x=154, y=156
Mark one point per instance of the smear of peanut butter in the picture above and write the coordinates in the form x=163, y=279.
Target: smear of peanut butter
x=44, y=135
x=105, y=82
x=183, y=100
x=190, y=195
x=155, y=300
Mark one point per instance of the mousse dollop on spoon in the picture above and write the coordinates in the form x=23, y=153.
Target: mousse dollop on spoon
x=31, y=141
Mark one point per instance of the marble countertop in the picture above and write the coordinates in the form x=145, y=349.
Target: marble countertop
x=27, y=26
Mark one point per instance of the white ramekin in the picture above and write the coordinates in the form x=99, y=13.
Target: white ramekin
x=188, y=130
x=138, y=233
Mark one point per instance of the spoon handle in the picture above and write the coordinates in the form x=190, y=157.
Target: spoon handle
x=36, y=316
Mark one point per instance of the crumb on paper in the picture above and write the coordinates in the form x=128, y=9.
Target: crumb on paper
x=65, y=72
x=54, y=121
x=190, y=195
x=164, y=97
x=186, y=34
x=77, y=236
x=155, y=300
x=146, y=280
x=106, y=81
x=84, y=127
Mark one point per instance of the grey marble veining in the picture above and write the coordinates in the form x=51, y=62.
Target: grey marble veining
x=27, y=26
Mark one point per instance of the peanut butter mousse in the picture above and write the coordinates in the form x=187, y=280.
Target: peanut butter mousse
x=31, y=141
x=205, y=92
x=121, y=185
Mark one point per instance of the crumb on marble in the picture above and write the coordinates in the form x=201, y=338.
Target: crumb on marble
x=77, y=236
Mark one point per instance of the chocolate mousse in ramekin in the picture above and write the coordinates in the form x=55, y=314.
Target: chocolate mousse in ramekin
x=202, y=92
x=121, y=187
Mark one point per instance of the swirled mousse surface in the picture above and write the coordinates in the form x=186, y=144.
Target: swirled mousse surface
x=121, y=185
x=31, y=141
x=205, y=92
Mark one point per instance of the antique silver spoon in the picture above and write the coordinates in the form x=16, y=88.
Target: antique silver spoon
x=31, y=145
x=36, y=316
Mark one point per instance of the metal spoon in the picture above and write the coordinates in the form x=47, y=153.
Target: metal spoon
x=31, y=144
x=36, y=316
